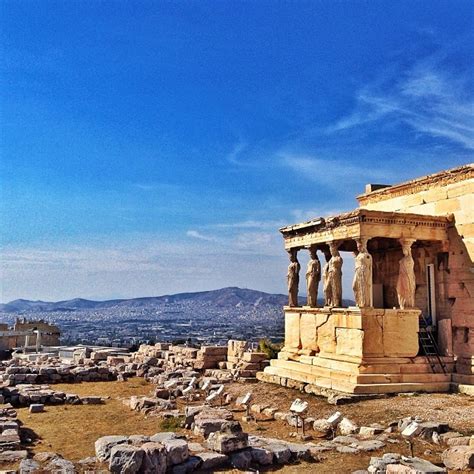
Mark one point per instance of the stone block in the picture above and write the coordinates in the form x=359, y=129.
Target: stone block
x=347, y=427
x=176, y=451
x=36, y=408
x=236, y=348
x=459, y=458
x=349, y=341
x=308, y=333
x=254, y=357
x=212, y=461
x=125, y=459
x=213, y=351
x=104, y=445
x=230, y=439
x=445, y=337
x=447, y=206
x=262, y=456
x=154, y=458
x=292, y=332
x=241, y=460
x=373, y=335
x=326, y=334
x=204, y=427
x=462, y=188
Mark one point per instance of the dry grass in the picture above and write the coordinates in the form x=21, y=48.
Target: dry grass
x=73, y=430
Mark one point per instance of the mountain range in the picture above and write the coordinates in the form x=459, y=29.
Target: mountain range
x=224, y=297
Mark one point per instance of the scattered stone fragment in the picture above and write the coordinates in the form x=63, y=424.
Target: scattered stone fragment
x=176, y=451
x=347, y=427
x=61, y=465
x=241, y=460
x=104, y=445
x=458, y=441
x=154, y=458
x=395, y=463
x=29, y=466
x=125, y=459
x=12, y=456
x=36, y=408
x=262, y=456
x=411, y=430
x=322, y=428
x=459, y=457
x=190, y=465
x=212, y=461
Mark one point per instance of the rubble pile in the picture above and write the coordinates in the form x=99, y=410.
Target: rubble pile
x=10, y=450
x=228, y=446
x=151, y=361
x=232, y=362
x=27, y=394
x=242, y=363
x=52, y=370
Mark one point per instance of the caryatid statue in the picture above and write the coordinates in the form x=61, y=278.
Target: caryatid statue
x=326, y=281
x=406, y=283
x=333, y=277
x=293, y=278
x=313, y=277
x=362, y=283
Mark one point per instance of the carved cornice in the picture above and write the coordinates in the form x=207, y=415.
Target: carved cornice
x=365, y=216
x=418, y=185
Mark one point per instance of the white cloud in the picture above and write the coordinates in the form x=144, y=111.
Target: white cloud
x=427, y=98
x=330, y=172
x=233, y=155
x=198, y=235
x=251, y=224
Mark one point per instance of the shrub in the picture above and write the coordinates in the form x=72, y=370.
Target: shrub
x=270, y=348
x=171, y=424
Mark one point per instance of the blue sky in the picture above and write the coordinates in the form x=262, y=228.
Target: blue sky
x=156, y=147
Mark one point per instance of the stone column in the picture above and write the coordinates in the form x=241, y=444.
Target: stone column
x=333, y=277
x=406, y=284
x=362, y=282
x=38, y=340
x=293, y=278
x=27, y=341
x=313, y=276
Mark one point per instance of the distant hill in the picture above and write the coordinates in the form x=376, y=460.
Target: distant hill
x=222, y=298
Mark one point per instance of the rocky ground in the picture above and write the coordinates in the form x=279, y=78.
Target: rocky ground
x=177, y=409
x=72, y=431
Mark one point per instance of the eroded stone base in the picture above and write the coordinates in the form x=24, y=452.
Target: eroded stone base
x=368, y=376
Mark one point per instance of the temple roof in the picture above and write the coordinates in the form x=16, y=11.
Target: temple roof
x=364, y=223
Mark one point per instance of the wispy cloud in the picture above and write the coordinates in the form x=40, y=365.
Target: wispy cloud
x=426, y=97
x=251, y=224
x=330, y=172
x=198, y=235
x=234, y=154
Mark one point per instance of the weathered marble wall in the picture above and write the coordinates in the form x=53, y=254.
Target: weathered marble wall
x=441, y=194
x=351, y=332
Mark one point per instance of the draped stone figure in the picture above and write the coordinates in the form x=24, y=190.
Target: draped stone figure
x=406, y=284
x=293, y=279
x=326, y=281
x=313, y=276
x=362, y=283
x=333, y=277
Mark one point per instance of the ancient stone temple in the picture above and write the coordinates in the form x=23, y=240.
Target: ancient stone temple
x=412, y=325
